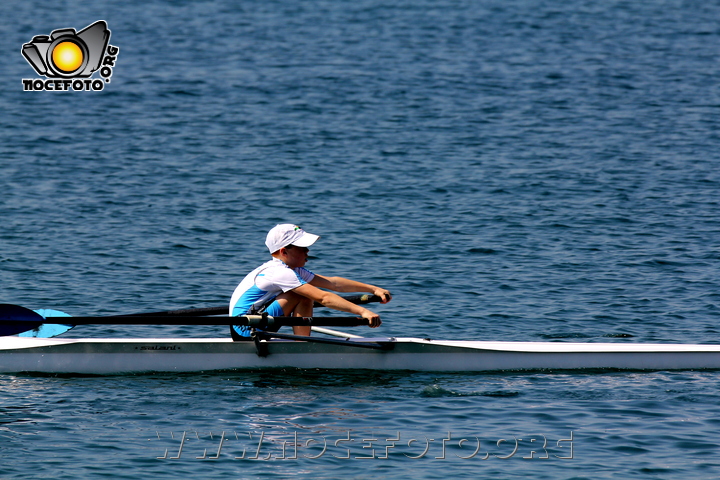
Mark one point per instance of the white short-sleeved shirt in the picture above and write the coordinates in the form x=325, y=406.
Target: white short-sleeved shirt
x=266, y=282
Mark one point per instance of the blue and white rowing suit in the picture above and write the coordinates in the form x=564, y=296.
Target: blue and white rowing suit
x=257, y=291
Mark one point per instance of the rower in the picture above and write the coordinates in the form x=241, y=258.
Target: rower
x=284, y=287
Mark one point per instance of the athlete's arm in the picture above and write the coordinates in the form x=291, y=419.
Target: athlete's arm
x=336, y=302
x=340, y=284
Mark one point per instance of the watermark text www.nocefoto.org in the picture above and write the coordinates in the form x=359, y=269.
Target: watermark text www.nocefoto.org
x=294, y=446
x=67, y=59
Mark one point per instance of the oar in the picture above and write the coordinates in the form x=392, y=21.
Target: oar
x=48, y=330
x=224, y=309
x=16, y=319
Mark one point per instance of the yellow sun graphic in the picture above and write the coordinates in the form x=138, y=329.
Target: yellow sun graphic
x=67, y=56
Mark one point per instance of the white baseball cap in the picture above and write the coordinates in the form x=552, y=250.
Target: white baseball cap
x=288, y=234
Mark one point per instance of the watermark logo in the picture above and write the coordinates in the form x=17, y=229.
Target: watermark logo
x=68, y=59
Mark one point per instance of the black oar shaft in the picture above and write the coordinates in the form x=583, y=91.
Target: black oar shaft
x=197, y=312
x=223, y=309
x=256, y=321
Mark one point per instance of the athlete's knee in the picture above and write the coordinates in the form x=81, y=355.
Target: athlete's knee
x=293, y=303
x=305, y=302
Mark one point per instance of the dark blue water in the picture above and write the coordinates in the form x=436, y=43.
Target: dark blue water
x=510, y=170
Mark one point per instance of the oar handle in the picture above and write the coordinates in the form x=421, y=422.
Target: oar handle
x=255, y=321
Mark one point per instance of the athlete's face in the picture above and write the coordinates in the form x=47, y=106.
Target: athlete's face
x=296, y=256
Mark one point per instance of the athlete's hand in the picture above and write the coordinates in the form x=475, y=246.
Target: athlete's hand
x=385, y=295
x=372, y=318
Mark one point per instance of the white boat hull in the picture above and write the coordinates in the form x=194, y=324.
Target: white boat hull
x=129, y=356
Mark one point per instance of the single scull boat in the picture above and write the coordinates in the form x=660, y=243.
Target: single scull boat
x=105, y=356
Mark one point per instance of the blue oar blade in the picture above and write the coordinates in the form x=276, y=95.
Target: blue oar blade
x=23, y=319
x=48, y=330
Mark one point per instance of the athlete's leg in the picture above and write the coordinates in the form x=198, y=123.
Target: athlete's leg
x=294, y=305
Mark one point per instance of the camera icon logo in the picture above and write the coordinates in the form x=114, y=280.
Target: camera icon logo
x=66, y=53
